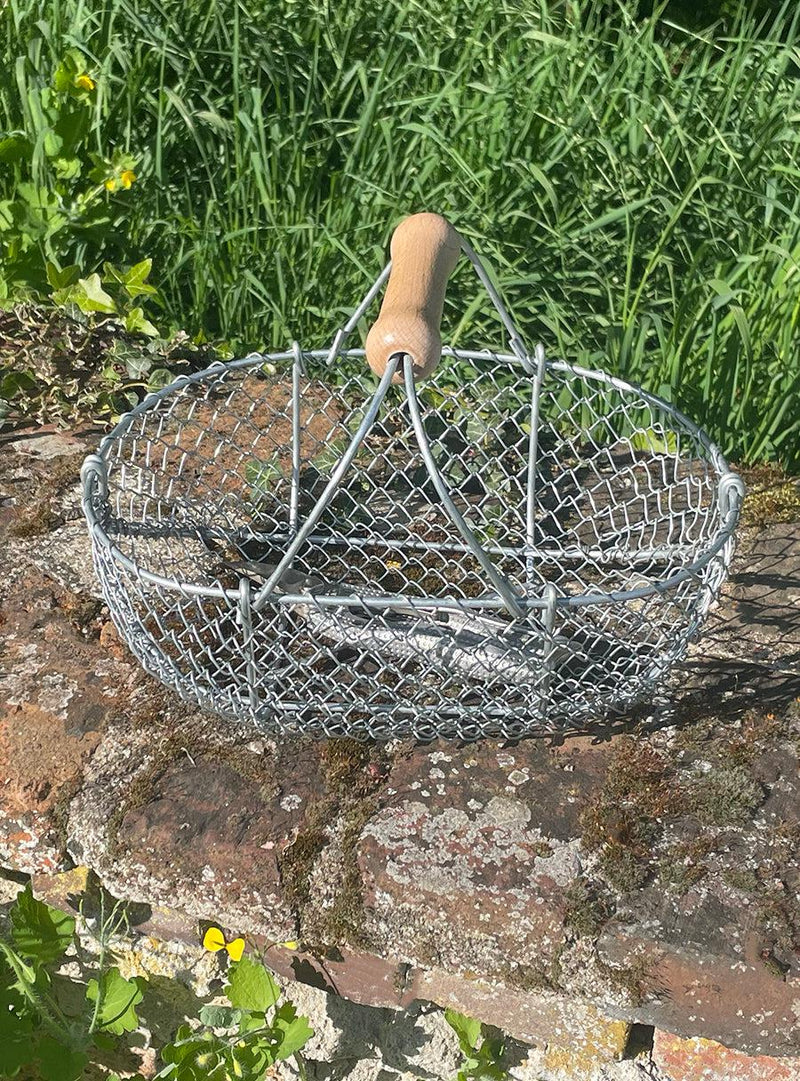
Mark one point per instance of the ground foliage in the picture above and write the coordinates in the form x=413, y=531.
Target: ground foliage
x=633, y=183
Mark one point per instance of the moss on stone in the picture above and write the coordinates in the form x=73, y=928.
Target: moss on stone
x=353, y=773
x=297, y=859
x=259, y=769
x=344, y=921
x=82, y=611
x=634, y=981
x=140, y=791
x=343, y=760
x=587, y=908
x=532, y=977
x=726, y=796
x=59, y=812
x=39, y=512
x=742, y=879
x=683, y=864
x=624, y=820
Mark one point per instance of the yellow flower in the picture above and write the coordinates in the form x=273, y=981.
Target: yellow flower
x=111, y=183
x=290, y=944
x=214, y=940
x=85, y=82
x=393, y=564
x=127, y=178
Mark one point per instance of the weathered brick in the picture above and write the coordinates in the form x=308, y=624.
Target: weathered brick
x=602, y=1041
x=698, y=1059
x=572, y=1027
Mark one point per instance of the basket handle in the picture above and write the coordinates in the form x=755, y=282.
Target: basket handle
x=424, y=250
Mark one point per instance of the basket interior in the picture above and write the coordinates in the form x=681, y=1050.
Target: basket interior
x=204, y=490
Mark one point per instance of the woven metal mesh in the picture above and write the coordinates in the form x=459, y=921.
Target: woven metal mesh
x=602, y=513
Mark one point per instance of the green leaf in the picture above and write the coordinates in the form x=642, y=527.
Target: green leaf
x=67, y=168
x=137, y=323
x=16, y=1051
x=611, y=216
x=137, y=366
x=331, y=454
x=17, y=384
x=52, y=143
x=293, y=1032
x=59, y=1063
x=40, y=933
x=249, y=1060
x=251, y=987
x=220, y=1016
x=196, y=1056
x=118, y=1000
x=466, y=1028
x=252, y=1020
x=92, y=297
x=16, y=1032
x=135, y=279
x=71, y=65
x=180, y=1047
x=262, y=477
x=159, y=378
x=36, y=197
x=23, y=976
x=61, y=279
x=655, y=441
x=8, y=214
x=14, y=148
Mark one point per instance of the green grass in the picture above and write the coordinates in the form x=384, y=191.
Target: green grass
x=636, y=188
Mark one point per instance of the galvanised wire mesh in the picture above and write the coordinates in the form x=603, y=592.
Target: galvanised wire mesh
x=517, y=546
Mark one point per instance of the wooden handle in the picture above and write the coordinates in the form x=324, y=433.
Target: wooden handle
x=425, y=248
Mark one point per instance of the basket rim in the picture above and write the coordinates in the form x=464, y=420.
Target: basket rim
x=729, y=490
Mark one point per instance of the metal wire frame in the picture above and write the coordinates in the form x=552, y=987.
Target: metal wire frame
x=604, y=586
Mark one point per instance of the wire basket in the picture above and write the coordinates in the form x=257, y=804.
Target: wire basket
x=515, y=546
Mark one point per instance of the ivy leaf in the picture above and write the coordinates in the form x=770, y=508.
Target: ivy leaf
x=91, y=297
x=118, y=1000
x=58, y=1063
x=251, y=987
x=293, y=1032
x=61, y=279
x=136, y=278
x=16, y=383
x=40, y=933
x=137, y=366
x=137, y=323
x=159, y=378
x=263, y=478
